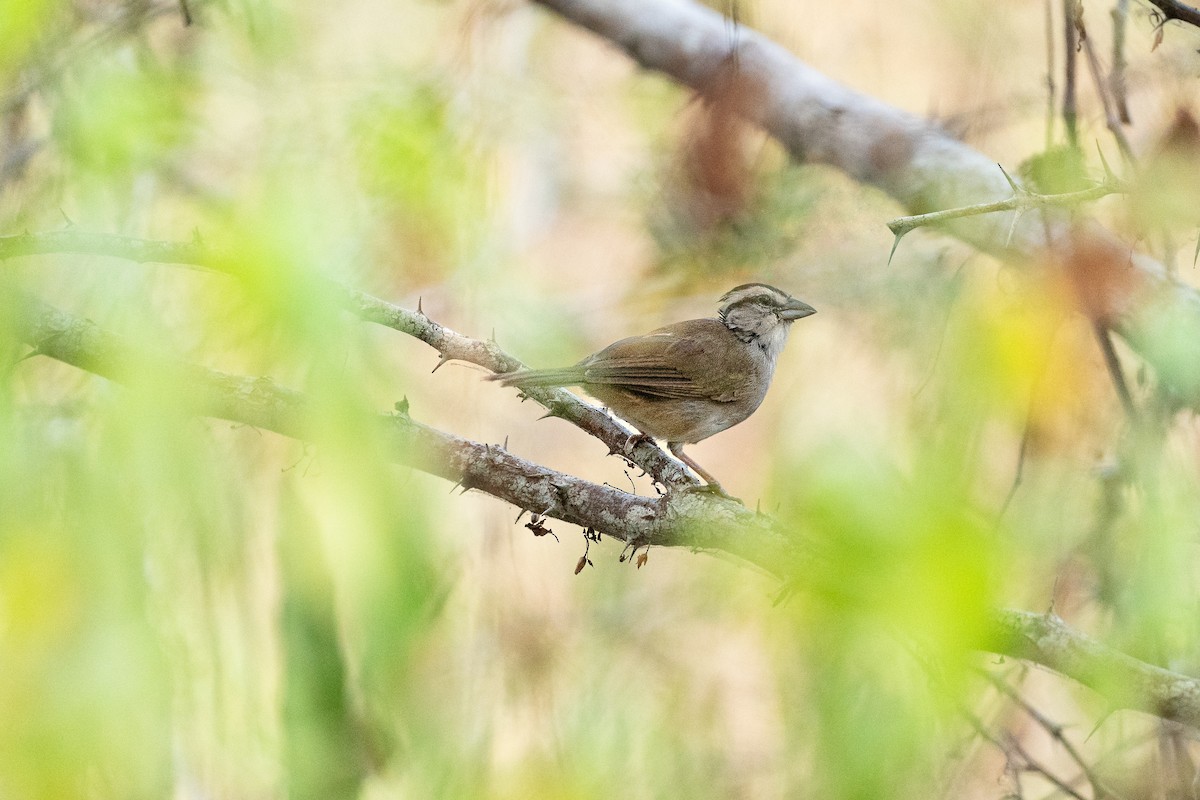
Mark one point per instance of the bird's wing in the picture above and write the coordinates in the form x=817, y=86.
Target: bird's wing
x=687, y=360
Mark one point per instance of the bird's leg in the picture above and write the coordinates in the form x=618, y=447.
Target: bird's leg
x=712, y=485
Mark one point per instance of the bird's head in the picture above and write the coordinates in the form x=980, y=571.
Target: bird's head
x=758, y=311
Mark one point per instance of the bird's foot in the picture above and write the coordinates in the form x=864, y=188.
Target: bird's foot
x=634, y=440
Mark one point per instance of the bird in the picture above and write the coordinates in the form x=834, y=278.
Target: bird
x=688, y=381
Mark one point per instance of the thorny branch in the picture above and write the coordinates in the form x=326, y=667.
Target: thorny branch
x=1022, y=200
x=682, y=519
x=1124, y=681
x=448, y=343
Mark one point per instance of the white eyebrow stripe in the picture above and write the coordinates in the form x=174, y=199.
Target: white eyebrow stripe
x=755, y=292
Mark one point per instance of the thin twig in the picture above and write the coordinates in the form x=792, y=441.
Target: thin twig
x=1051, y=89
x=1111, y=118
x=955, y=282
x=1022, y=200
x=1116, y=78
x=1113, y=364
x=1071, y=11
x=1009, y=745
x=1019, y=472
x=1173, y=9
x=1099, y=788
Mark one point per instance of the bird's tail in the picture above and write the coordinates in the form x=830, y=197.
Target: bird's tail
x=531, y=378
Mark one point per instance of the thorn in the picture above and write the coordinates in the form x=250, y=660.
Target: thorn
x=544, y=416
x=492, y=338
x=1016, y=189
x=1099, y=722
x=1196, y=257
x=37, y=351
x=1108, y=173
x=506, y=441
x=895, y=244
x=70, y=222
x=783, y=594
x=518, y=519
x=420, y=310
x=1012, y=229
x=455, y=486
x=441, y=363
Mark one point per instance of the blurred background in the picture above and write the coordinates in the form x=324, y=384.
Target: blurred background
x=197, y=609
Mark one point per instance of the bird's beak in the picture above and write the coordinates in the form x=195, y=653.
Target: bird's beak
x=794, y=310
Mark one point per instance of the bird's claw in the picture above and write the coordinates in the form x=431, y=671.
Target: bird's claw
x=634, y=440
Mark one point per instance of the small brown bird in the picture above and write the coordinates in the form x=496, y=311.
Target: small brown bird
x=687, y=381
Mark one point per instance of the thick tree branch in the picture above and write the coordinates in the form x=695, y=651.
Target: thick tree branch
x=448, y=343
x=1124, y=681
x=816, y=118
x=821, y=121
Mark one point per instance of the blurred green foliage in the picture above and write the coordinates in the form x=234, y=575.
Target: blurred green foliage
x=120, y=115
x=412, y=161
x=699, y=234
x=189, y=607
x=23, y=25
